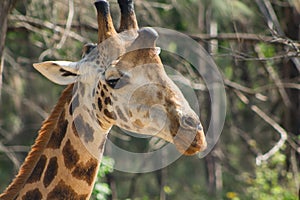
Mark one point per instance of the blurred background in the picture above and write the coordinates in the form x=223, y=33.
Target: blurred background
x=256, y=47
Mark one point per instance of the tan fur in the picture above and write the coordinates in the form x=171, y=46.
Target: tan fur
x=71, y=174
x=38, y=147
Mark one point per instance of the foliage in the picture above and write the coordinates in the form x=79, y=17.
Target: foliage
x=272, y=181
x=101, y=189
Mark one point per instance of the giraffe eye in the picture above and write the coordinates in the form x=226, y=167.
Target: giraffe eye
x=117, y=83
x=112, y=82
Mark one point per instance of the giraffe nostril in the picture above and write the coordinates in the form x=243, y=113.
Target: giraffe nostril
x=199, y=127
x=190, y=122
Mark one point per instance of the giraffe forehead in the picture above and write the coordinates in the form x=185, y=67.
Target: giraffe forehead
x=116, y=47
x=92, y=61
x=96, y=60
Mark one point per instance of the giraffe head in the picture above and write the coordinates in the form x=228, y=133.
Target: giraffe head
x=123, y=82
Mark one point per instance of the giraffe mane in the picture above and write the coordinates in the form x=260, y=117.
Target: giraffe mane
x=43, y=138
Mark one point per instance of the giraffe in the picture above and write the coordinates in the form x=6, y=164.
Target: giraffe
x=120, y=81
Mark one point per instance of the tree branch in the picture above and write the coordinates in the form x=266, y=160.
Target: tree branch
x=46, y=24
x=267, y=10
x=282, y=132
x=231, y=84
x=1, y=74
x=68, y=25
x=246, y=37
x=11, y=155
x=276, y=79
x=277, y=127
x=28, y=103
x=25, y=101
x=247, y=90
x=248, y=140
x=5, y=7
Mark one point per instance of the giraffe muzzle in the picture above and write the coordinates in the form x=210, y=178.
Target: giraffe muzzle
x=190, y=138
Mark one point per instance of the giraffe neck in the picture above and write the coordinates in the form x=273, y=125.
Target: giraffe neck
x=60, y=165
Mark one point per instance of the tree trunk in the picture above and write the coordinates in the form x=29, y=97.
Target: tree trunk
x=5, y=7
x=290, y=72
x=291, y=114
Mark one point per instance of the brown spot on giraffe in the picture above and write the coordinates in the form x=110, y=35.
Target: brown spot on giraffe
x=111, y=115
x=82, y=90
x=100, y=104
x=74, y=129
x=129, y=113
x=74, y=104
x=147, y=114
x=120, y=114
x=159, y=95
x=39, y=169
x=71, y=156
x=34, y=194
x=50, y=172
x=84, y=129
x=105, y=88
x=107, y=101
x=58, y=133
x=105, y=119
x=138, y=123
x=102, y=93
x=126, y=126
x=62, y=191
x=86, y=171
x=100, y=124
x=101, y=146
x=174, y=126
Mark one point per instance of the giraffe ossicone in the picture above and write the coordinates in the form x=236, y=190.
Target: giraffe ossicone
x=120, y=81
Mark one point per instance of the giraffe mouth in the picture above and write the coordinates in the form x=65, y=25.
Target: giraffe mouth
x=189, y=143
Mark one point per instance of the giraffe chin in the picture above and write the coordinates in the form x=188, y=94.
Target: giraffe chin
x=188, y=146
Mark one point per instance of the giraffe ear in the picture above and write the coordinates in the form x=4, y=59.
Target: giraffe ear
x=60, y=72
